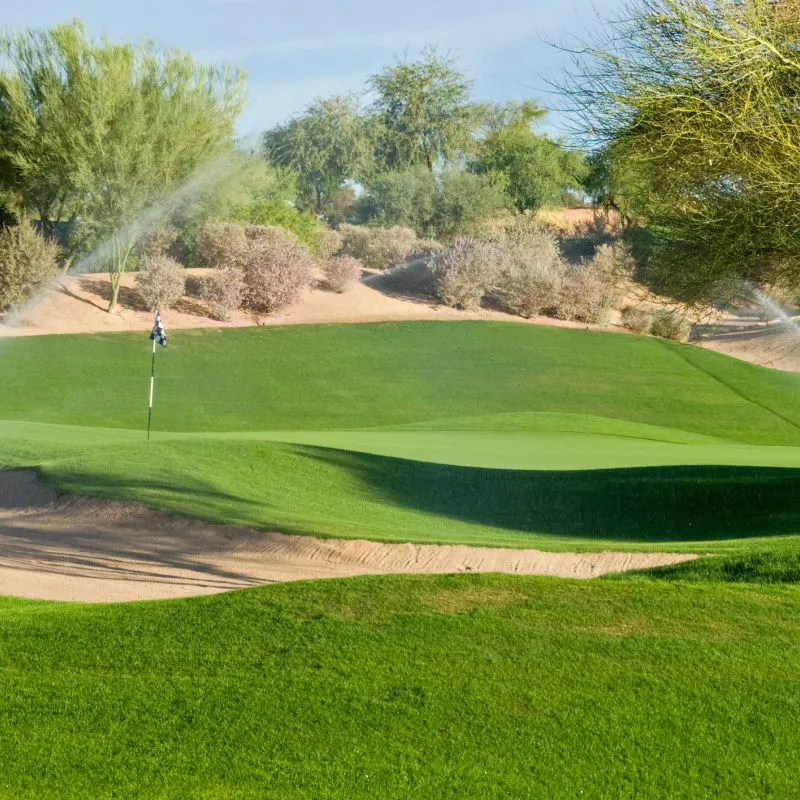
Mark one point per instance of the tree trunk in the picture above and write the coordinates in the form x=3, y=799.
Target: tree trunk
x=115, y=280
x=119, y=261
x=429, y=159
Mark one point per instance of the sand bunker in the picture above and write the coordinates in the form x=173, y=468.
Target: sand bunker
x=62, y=547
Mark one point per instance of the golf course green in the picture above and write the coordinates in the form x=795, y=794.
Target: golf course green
x=467, y=432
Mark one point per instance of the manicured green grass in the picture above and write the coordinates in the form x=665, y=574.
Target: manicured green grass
x=483, y=433
x=423, y=687
x=322, y=377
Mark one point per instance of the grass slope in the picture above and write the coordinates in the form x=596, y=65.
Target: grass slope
x=483, y=433
x=424, y=687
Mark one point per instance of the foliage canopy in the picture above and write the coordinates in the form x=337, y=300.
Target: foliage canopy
x=695, y=105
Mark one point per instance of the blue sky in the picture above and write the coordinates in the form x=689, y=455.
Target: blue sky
x=296, y=51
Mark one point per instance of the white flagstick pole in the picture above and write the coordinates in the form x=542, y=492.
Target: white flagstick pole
x=152, y=378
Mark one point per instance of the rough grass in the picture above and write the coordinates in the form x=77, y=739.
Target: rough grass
x=425, y=687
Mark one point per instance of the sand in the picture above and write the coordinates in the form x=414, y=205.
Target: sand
x=62, y=547
x=78, y=303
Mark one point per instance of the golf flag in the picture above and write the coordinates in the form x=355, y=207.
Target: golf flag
x=158, y=334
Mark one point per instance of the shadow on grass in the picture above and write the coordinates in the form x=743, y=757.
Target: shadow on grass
x=689, y=503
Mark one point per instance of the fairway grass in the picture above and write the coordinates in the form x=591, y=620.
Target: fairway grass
x=477, y=433
x=424, y=687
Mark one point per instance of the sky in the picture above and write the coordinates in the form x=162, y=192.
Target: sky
x=296, y=51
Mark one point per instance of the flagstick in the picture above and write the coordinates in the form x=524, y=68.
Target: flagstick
x=152, y=378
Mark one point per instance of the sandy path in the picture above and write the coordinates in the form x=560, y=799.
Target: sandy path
x=74, y=548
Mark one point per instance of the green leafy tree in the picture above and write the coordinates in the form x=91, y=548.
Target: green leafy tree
x=536, y=169
x=424, y=111
x=327, y=145
x=106, y=128
x=434, y=204
x=242, y=187
x=696, y=107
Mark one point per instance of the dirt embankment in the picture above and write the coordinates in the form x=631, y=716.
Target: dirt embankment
x=75, y=548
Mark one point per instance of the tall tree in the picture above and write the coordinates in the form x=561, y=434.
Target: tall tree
x=439, y=204
x=106, y=128
x=536, y=170
x=327, y=145
x=424, y=109
x=696, y=104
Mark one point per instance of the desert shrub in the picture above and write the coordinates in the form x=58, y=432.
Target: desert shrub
x=223, y=292
x=463, y=274
x=271, y=233
x=532, y=270
x=670, y=324
x=414, y=277
x=342, y=273
x=388, y=247
x=159, y=242
x=355, y=239
x=584, y=296
x=514, y=227
x=277, y=272
x=28, y=262
x=160, y=282
x=222, y=245
x=613, y=262
x=327, y=242
x=378, y=248
x=426, y=247
x=637, y=319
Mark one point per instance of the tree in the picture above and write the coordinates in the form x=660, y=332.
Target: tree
x=434, y=204
x=536, y=169
x=327, y=145
x=696, y=105
x=106, y=128
x=424, y=111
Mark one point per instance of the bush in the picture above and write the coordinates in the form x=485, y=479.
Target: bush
x=637, y=319
x=160, y=242
x=584, y=296
x=270, y=233
x=388, y=247
x=342, y=273
x=28, y=262
x=222, y=245
x=355, y=240
x=378, y=248
x=426, y=247
x=670, y=324
x=277, y=272
x=223, y=292
x=463, y=274
x=613, y=262
x=327, y=242
x=161, y=282
x=440, y=204
x=414, y=277
x=275, y=212
x=533, y=271
x=514, y=227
